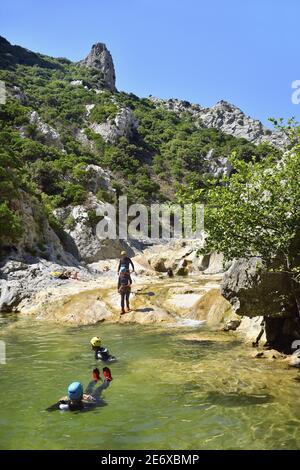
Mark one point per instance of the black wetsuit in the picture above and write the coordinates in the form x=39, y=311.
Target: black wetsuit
x=102, y=354
x=71, y=405
x=90, y=399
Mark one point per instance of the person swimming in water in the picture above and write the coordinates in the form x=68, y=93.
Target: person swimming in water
x=74, y=401
x=77, y=400
x=101, y=353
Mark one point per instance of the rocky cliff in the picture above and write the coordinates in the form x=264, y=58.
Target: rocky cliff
x=100, y=58
x=122, y=125
x=226, y=117
x=265, y=296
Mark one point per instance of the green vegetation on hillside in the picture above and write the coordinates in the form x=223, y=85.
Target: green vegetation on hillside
x=256, y=212
x=164, y=154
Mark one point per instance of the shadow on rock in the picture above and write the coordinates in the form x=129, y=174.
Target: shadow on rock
x=149, y=294
x=144, y=310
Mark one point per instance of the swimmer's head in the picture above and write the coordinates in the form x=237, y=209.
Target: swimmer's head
x=75, y=391
x=96, y=342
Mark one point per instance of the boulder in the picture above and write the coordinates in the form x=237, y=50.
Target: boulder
x=256, y=292
x=232, y=325
x=253, y=291
x=215, y=264
x=201, y=262
x=214, y=309
x=294, y=359
x=158, y=263
x=250, y=329
x=174, y=254
x=184, y=267
x=10, y=295
x=82, y=233
x=269, y=354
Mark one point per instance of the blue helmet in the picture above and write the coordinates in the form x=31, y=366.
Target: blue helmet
x=123, y=269
x=75, y=391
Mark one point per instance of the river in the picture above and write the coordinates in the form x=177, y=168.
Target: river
x=174, y=387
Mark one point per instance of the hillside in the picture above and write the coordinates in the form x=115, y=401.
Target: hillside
x=68, y=136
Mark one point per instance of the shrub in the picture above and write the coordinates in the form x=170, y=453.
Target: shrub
x=70, y=222
x=10, y=224
x=102, y=112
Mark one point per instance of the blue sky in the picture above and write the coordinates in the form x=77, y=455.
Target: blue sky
x=203, y=51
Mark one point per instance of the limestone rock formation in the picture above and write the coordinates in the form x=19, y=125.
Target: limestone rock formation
x=44, y=132
x=123, y=125
x=17, y=93
x=38, y=239
x=231, y=120
x=254, y=291
x=101, y=59
x=83, y=240
x=20, y=282
x=182, y=258
x=26, y=267
x=294, y=360
x=98, y=178
x=250, y=328
x=76, y=82
x=226, y=117
x=218, y=167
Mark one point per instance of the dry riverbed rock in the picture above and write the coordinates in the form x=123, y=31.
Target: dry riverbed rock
x=269, y=354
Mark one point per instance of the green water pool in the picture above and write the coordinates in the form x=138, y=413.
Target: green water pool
x=173, y=388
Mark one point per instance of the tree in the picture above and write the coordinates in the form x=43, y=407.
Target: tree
x=257, y=212
x=10, y=227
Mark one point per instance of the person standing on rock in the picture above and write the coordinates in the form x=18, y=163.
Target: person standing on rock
x=124, y=289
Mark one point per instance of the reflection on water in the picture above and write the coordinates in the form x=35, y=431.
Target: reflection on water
x=179, y=388
x=237, y=399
